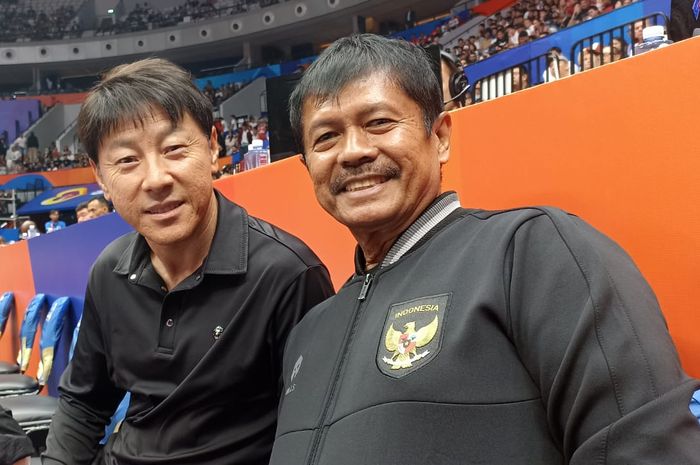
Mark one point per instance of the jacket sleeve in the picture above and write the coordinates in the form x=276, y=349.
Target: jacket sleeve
x=312, y=286
x=14, y=444
x=87, y=397
x=589, y=330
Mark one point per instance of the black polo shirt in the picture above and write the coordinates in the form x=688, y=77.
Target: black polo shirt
x=202, y=362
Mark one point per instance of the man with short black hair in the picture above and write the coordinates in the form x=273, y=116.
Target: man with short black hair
x=189, y=313
x=97, y=206
x=464, y=336
x=81, y=212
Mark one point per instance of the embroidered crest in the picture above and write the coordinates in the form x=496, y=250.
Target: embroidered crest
x=412, y=335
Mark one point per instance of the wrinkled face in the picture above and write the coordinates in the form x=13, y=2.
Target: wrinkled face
x=159, y=177
x=373, y=165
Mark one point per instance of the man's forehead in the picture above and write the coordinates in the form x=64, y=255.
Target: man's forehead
x=314, y=102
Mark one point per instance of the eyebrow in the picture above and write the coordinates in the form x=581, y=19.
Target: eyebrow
x=371, y=108
x=131, y=141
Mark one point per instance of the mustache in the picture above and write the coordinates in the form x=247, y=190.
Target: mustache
x=386, y=169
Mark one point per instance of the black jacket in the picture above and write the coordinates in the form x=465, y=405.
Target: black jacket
x=506, y=338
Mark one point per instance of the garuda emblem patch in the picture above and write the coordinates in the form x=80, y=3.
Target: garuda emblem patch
x=412, y=335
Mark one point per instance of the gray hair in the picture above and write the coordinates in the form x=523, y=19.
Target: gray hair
x=132, y=92
x=351, y=58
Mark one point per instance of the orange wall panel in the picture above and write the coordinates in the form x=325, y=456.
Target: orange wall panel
x=16, y=276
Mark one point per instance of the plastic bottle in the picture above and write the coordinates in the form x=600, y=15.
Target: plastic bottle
x=653, y=37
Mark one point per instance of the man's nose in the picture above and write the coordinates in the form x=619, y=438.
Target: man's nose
x=358, y=148
x=157, y=175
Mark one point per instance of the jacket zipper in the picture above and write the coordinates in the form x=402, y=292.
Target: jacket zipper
x=369, y=277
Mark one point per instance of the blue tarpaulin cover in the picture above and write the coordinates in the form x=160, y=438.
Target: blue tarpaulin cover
x=60, y=198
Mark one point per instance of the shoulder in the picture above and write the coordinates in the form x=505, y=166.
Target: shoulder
x=537, y=220
x=114, y=253
x=280, y=242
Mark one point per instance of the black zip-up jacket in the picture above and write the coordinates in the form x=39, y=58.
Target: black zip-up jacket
x=504, y=338
x=202, y=362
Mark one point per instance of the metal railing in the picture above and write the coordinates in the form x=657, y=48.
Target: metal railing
x=612, y=44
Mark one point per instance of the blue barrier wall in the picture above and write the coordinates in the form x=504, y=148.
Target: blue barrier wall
x=25, y=112
x=79, y=246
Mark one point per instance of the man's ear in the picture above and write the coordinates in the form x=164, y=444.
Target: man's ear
x=214, y=150
x=442, y=128
x=100, y=181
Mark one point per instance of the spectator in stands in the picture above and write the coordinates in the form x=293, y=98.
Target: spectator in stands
x=28, y=230
x=32, y=148
x=21, y=142
x=520, y=78
x=14, y=159
x=191, y=311
x=3, y=150
x=15, y=446
x=97, y=207
x=557, y=66
x=231, y=143
x=81, y=212
x=54, y=223
x=589, y=57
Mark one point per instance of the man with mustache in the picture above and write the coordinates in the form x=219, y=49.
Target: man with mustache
x=465, y=336
x=189, y=313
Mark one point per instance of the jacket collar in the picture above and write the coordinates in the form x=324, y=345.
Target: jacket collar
x=229, y=248
x=432, y=216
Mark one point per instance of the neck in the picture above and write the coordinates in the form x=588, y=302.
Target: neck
x=374, y=249
x=176, y=261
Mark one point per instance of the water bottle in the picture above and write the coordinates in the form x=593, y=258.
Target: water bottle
x=653, y=37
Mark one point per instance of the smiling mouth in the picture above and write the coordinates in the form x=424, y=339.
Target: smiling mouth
x=163, y=208
x=366, y=183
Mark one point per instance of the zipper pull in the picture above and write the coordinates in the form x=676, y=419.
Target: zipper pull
x=365, y=286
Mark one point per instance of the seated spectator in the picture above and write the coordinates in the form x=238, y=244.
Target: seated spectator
x=28, y=230
x=519, y=79
x=81, y=212
x=557, y=66
x=14, y=159
x=97, y=206
x=54, y=224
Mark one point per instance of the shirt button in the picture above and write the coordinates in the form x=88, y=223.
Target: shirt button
x=133, y=277
x=197, y=277
x=163, y=288
x=169, y=323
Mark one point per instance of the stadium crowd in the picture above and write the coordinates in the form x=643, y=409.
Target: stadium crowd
x=22, y=157
x=526, y=21
x=19, y=22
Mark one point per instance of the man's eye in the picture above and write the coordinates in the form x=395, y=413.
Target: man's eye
x=379, y=122
x=174, y=149
x=325, y=137
x=126, y=160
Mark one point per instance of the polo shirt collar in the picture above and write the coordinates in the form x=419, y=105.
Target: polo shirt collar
x=229, y=248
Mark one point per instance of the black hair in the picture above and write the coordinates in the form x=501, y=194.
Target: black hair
x=350, y=58
x=132, y=92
